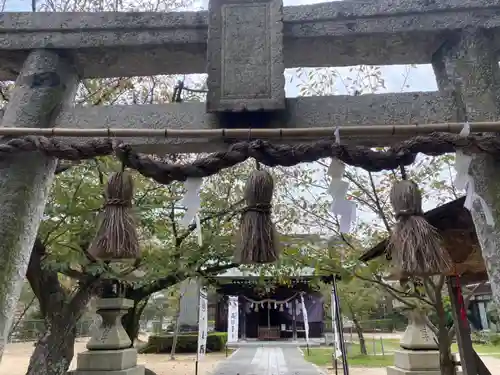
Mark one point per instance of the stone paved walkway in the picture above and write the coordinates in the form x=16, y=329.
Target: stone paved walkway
x=266, y=360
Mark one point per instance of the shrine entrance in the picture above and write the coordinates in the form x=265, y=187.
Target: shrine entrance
x=270, y=310
x=266, y=323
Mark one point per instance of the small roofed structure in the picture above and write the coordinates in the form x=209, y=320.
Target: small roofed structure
x=454, y=222
x=455, y=225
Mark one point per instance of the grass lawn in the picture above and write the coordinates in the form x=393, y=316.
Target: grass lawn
x=480, y=349
x=323, y=357
x=374, y=347
x=393, y=344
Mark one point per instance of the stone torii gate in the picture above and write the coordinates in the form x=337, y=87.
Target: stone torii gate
x=244, y=46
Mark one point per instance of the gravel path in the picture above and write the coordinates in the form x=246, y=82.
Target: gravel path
x=16, y=359
x=246, y=361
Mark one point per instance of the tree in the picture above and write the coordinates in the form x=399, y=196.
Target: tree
x=358, y=300
x=180, y=294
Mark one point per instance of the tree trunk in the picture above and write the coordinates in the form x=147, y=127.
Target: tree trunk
x=361, y=337
x=129, y=323
x=61, y=311
x=446, y=360
x=131, y=320
x=176, y=330
x=55, y=350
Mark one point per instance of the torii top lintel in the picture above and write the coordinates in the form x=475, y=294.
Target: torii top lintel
x=245, y=45
x=329, y=34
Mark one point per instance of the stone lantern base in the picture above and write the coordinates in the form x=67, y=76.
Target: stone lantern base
x=419, y=353
x=416, y=362
x=109, y=349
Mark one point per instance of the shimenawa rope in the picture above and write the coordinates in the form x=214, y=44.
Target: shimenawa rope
x=269, y=154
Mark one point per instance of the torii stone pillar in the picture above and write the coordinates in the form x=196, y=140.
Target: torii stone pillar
x=466, y=67
x=46, y=83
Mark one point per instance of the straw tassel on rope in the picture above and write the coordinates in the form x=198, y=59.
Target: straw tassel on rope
x=415, y=246
x=117, y=237
x=258, y=240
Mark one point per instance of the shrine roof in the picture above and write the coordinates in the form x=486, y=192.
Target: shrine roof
x=237, y=273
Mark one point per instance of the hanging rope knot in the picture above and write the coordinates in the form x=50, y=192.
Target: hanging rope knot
x=402, y=214
x=118, y=202
x=117, y=237
x=415, y=245
x=263, y=208
x=122, y=151
x=258, y=239
x=402, y=154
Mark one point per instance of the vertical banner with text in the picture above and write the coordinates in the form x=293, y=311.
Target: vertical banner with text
x=304, y=315
x=339, y=328
x=202, y=324
x=232, y=319
x=335, y=326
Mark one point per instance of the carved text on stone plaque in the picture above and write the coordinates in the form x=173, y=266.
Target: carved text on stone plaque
x=245, y=45
x=245, y=56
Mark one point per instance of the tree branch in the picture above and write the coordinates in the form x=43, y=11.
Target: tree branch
x=72, y=273
x=397, y=293
x=191, y=227
x=63, y=167
x=44, y=283
x=440, y=283
x=168, y=281
x=378, y=205
x=430, y=290
x=81, y=298
x=429, y=324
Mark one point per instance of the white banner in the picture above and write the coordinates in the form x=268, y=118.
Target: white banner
x=304, y=315
x=335, y=326
x=202, y=324
x=232, y=319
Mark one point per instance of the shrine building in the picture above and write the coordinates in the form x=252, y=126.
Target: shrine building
x=270, y=309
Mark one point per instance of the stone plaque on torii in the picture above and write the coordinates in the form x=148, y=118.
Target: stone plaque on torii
x=245, y=66
x=460, y=38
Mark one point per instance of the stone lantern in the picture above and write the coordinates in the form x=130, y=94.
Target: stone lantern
x=419, y=353
x=109, y=349
x=417, y=335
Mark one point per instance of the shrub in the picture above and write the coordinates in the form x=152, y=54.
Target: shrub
x=478, y=338
x=186, y=343
x=495, y=339
x=486, y=337
x=492, y=314
x=395, y=323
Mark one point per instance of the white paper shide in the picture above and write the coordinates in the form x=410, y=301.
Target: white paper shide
x=342, y=207
x=192, y=202
x=304, y=315
x=232, y=319
x=464, y=181
x=202, y=324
